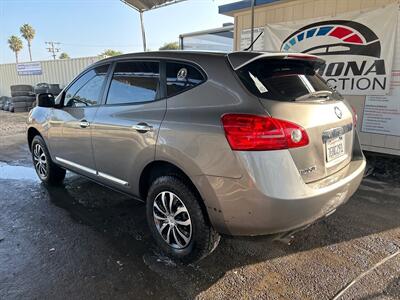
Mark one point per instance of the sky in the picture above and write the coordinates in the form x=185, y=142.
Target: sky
x=87, y=27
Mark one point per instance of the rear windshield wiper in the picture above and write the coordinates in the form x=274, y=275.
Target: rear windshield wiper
x=313, y=95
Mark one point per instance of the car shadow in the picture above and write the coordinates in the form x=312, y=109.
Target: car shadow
x=122, y=221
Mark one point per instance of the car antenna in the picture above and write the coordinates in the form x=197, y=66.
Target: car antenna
x=255, y=40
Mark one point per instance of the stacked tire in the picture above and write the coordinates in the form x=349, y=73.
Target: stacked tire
x=44, y=87
x=22, y=98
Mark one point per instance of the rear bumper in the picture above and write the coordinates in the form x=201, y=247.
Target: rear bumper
x=273, y=197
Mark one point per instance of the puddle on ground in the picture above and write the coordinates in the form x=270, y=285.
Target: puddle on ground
x=17, y=172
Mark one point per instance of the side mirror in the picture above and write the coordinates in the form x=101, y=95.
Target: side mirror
x=45, y=100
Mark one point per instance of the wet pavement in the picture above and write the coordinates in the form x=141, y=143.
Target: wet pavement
x=83, y=241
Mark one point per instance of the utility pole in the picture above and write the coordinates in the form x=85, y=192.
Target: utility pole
x=143, y=31
x=253, y=3
x=52, y=48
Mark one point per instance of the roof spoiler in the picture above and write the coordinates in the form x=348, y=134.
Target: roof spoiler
x=240, y=59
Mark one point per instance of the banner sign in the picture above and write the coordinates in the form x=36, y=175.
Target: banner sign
x=358, y=47
x=31, y=68
x=382, y=113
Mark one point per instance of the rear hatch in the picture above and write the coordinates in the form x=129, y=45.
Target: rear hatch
x=290, y=89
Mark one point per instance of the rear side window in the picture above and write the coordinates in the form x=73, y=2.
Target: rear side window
x=282, y=80
x=134, y=82
x=181, y=77
x=87, y=89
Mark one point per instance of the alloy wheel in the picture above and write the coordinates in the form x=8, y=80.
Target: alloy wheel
x=172, y=220
x=40, y=161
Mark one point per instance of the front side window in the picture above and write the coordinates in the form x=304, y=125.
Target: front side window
x=134, y=82
x=86, y=91
x=181, y=77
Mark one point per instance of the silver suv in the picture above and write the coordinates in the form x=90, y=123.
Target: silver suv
x=246, y=143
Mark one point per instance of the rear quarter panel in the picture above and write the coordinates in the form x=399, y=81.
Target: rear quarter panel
x=191, y=135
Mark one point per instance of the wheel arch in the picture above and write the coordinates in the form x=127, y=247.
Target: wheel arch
x=31, y=133
x=158, y=168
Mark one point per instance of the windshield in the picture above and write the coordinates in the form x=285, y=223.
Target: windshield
x=284, y=80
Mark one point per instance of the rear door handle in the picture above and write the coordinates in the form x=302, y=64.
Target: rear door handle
x=142, y=127
x=84, y=124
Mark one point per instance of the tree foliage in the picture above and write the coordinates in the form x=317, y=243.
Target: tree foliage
x=170, y=46
x=15, y=44
x=28, y=33
x=64, y=55
x=110, y=52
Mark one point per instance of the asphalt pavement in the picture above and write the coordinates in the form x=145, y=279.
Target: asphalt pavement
x=83, y=241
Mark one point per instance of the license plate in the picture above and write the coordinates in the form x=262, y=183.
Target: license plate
x=334, y=148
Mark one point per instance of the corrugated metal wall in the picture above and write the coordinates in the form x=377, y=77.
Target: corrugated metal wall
x=60, y=71
x=292, y=10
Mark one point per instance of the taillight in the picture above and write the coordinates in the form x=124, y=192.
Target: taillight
x=252, y=132
x=355, y=117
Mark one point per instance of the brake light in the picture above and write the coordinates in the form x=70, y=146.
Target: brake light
x=252, y=132
x=302, y=56
x=355, y=117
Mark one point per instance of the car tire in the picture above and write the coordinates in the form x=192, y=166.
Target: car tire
x=22, y=99
x=19, y=104
x=21, y=93
x=187, y=243
x=41, y=91
x=20, y=109
x=47, y=171
x=21, y=88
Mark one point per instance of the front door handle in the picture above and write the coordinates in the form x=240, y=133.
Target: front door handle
x=84, y=124
x=142, y=127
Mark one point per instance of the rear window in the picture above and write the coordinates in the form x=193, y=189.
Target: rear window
x=282, y=80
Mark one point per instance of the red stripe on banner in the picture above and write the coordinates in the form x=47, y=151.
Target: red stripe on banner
x=340, y=32
x=355, y=38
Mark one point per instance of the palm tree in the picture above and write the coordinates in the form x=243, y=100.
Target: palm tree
x=170, y=46
x=110, y=52
x=64, y=55
x=28, y=33
x=15, y=44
